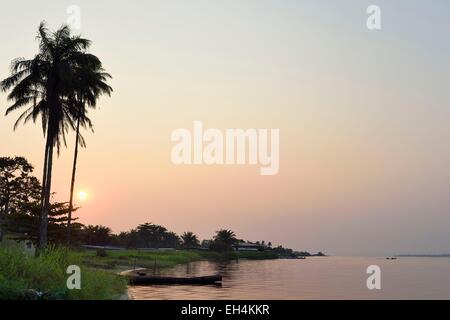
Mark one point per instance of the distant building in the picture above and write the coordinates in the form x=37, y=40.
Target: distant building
x=205, y=244
x=91, y=247
x=246, y=246
x=25, y=245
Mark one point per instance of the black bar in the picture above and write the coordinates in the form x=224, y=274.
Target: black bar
x=226, y=309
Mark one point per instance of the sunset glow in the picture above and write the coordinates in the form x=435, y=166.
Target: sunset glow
x=82, y=195
x=349, y=163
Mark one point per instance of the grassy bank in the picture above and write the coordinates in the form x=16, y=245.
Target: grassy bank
x=163, y=259
x=47, y=273
x=20, y=272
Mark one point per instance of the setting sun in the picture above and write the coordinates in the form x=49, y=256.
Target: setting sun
x=82, y=195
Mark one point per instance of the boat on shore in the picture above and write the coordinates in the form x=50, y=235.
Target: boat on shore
x=141, y=277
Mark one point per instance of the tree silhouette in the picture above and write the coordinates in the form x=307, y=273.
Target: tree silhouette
x=223, y=240
x=20, y=194
x=43, y=85
x=97, y=235
x=189, y=240
x=89, y=85
x=151, y=234
x=17, y=186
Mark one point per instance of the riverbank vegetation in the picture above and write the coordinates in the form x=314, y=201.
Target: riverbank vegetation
x=28, y=277
x=158, y=259
x=25, y=277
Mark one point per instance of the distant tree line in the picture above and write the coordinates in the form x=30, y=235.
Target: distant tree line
x=20, y=208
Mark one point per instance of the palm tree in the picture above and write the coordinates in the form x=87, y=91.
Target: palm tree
x=224, y=240
x=97, y=235
x=151, y=234
x=89, y=85
x=41, y=84
x=226, y=236
x=190, y=240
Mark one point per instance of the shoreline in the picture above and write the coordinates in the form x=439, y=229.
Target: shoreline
x=117, y=262
x=129, y=259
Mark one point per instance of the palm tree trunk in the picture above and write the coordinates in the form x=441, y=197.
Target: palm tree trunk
x=44, y=177
x=44, y=182
x=43, y=223
x=72, y=184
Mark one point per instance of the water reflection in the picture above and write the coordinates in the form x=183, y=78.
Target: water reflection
x=313, y=278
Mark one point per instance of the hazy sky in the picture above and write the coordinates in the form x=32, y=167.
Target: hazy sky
x=363, y=118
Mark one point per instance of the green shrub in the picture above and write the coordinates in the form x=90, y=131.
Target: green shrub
x=101, y=253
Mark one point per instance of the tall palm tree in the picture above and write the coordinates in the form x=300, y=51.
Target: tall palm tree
x=40, y=84
x=89, y=85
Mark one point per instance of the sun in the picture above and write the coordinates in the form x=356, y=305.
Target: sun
x=82, y=195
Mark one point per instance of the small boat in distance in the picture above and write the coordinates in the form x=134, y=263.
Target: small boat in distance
x=391, y=258
x=140, y=277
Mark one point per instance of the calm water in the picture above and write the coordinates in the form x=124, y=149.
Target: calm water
x=313, y=278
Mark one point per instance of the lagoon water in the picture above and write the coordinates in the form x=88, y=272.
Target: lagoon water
x=312, y=278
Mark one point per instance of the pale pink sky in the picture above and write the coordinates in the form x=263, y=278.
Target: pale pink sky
x=363, y=118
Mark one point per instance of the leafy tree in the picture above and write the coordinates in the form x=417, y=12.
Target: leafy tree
x=170, y=240
x=17, y=187
x=189, y=240
x=23, y=224
x=20, y=203
x=284, y=251
x=128, y=239
x=147, y=235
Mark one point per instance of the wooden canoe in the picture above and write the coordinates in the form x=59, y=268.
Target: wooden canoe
x=141, y=278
